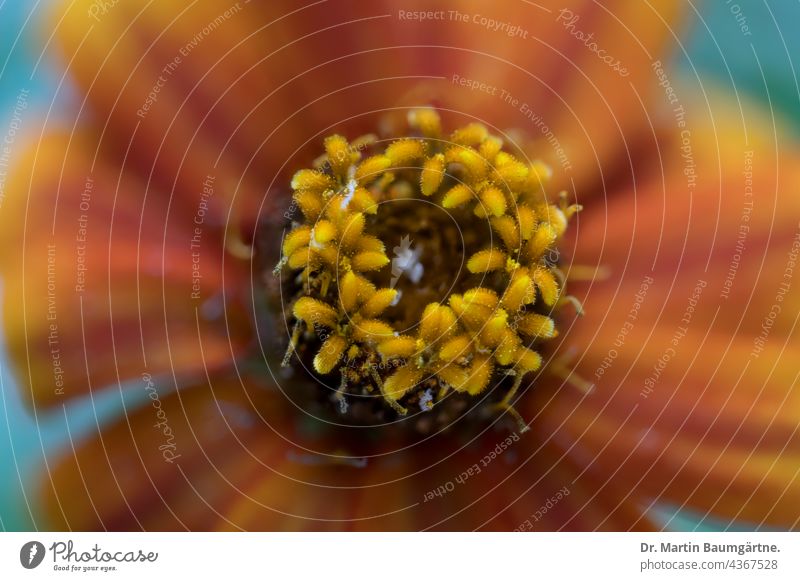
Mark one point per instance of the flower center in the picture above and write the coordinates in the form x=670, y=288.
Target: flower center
x=423, y=270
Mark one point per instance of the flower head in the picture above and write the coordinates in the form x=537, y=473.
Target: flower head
x=198, y=139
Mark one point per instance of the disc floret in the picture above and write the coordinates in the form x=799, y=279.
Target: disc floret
x=500, y=309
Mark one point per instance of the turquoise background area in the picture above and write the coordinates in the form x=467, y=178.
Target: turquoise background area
x=761, y=65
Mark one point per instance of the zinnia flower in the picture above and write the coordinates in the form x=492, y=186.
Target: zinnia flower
x=139, y=258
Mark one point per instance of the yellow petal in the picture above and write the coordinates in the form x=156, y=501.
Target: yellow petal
x=554, y=217
x=303, y=257
x=526, y=218
x=538, y=176
x=513, y=174
x=453, y=375
x=363, y=201
x=495, y=328
x=490, y=147
x=474, y=163
x=437, y=321
x=348, y=291
x=480, y=372
x=472, y=314
x=369, y=243
x=328, y=255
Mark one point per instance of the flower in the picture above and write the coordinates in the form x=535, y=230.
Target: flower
x=131, y=263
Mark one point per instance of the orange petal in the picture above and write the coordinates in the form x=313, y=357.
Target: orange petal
x=695, y=401
x=101, y=281
x=174, y=463
x=572, y=75
x=221, y=456
x=239, y=89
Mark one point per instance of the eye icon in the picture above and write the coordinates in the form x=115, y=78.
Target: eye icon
x=31, y=554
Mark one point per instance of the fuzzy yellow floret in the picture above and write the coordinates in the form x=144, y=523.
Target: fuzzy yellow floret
x=543, y=238
x=401, y=381
x=472, y=134
x=486, y=261
x=402, y=346
x=485, y=297
x=310, y=204
x=455, y=348
x=329, y=354
x=427, y=121
x=493, y=203
x=521, y=291
x=352, y=230
x=295, y=239
x=457, y=196
x=340, y=155
x=367, y=261
x=379, y=302
x=315, y=312
x=372, y=168
x=506, y=227
x=480, y=372
x=526, y=218
x=432, y=175
x=537, y=326
x=324, y=232
x=311, y=180
x=372, y=330
x=476, y=336
x=547, y=285
x=405, y=151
